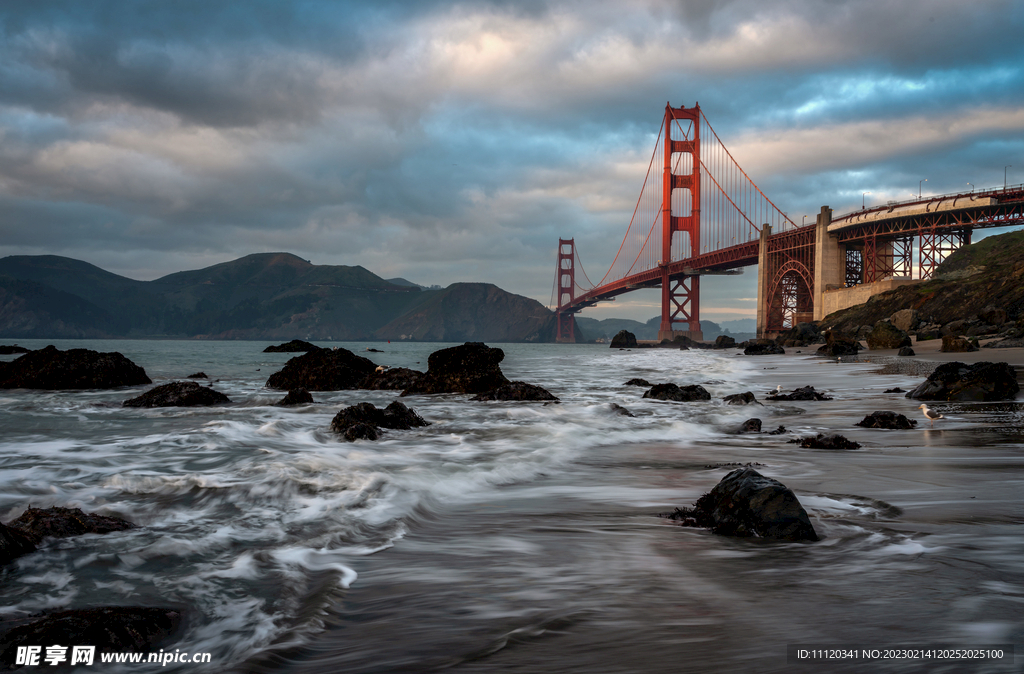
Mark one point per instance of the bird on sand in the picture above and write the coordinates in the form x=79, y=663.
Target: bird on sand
x=931, y=415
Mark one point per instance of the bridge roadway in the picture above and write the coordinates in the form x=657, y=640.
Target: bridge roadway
x=987, y=208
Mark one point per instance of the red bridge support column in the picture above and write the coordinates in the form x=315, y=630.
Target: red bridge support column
x=566, y=322
x=680, y=297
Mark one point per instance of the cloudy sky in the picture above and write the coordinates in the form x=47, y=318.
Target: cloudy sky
x=457, y=141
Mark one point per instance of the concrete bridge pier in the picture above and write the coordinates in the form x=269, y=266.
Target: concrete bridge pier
x=829, y=262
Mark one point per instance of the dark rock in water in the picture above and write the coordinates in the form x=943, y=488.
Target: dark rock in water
x=624, y=339
x=350, y=422
x=620, y=410
x=14, y=543
x=906, y=351
x=8, y=349
x=197, y=375
x=746, y=398
x=746, y=503
x=725, y=342
x=955, y=344
x=109, y=629
x=826, y=441
x=178, y=394
x=894, y=390
x=778, y=431
x=53, y=369
x=57, y=522
x=638, y=382
x=374, y=350
x=762, y=348
x=890, y=420
x=885, y=335
x=804, y=393
x=291, y=347
x=392, y=379
x=297, y=396
x=750, y=426
x=470, y=368
x=517, y=390
x=978, y=381
x=837, y=345
x=678, y=393
x=323, y=370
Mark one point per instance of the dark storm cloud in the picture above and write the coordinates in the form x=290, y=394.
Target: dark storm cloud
x=446, y=141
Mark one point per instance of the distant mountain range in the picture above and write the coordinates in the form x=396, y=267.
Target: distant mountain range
x=593, y=329
x=263, y=296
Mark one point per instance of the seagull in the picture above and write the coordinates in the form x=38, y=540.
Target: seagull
x=931, y=415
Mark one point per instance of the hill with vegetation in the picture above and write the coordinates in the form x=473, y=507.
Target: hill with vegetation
x=989, y=273
x=473, y=312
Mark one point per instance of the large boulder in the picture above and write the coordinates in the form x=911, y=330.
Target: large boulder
x=978, y=381
x=624, y=339
x=178, y=394
x=906, y=351
x=391, y=379
x=470, y=368
x=762, y=347
x=746, y=503
x=956, y=344
x=57, y=522
x=323, y=370
x=638, y=382
x=51, y=368
x=837, y=345
x=517, y=390
x=14, y=543
x=906, y=319
x=364, y=421
x=296, y=345
x=108, y=628
x=890, y=420
x=885, y=335
x=678, y=393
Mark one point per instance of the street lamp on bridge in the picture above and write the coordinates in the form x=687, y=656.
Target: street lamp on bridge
x=1004, y=175
x=972, y=186
x=862, y=206
x=919, y=183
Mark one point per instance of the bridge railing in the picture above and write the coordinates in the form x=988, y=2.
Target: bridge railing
x=988, y=191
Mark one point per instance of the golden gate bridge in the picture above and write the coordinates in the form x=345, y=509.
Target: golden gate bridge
x=699, y=213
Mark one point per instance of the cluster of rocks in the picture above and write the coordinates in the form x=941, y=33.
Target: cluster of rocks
x=746, y=503
x=366, y=422
x=8, y=349
x=53, y=369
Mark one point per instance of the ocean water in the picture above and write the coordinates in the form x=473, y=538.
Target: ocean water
x=521, y=537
